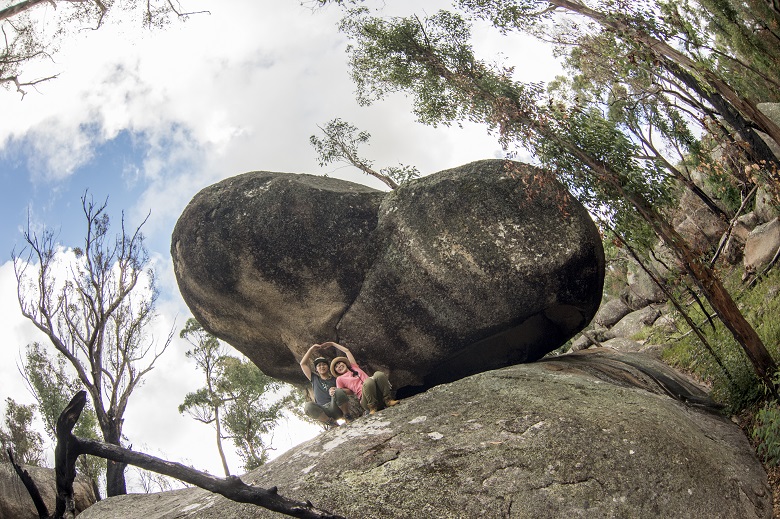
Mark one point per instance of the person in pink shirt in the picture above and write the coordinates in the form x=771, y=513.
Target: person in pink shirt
x=373, y=392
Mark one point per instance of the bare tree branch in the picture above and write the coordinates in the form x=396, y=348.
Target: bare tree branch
x=69, y=446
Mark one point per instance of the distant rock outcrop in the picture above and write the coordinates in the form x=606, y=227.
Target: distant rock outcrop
x=762, y=245
x=469, y=269
x=16, y=503
x=590, y=435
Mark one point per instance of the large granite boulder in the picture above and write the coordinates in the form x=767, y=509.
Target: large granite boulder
x=591, y=435
x=15, y=500
x=269, y=262
x=465, y=270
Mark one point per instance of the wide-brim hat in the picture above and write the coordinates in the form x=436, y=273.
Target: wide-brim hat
x=320, y=360
x=336, y=361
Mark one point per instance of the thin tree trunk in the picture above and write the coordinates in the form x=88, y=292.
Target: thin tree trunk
x=694, y=328
x=717, y=295
x=219, y=442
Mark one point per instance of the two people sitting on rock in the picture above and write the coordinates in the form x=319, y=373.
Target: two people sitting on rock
x=334, y=384
x=330, y=403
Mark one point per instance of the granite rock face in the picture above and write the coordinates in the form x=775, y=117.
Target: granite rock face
x=269, y=262
x=465, y=270
x=593, y=434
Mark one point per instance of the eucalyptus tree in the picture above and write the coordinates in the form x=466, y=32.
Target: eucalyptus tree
x=52, y=387
x=432, y=60
x=95, y=304
x=241, y=402
x=340, y=143
x=642, y=27
x=640, y=87
x=18, y=435
x=254, y=405
x=741, y=38
x=205, y=404
x=653, y=112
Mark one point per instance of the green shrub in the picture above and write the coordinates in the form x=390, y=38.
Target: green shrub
x=766, y=432
x=737, y=387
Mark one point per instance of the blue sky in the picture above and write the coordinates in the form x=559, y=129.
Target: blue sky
x=111, y=173
x=148, y=118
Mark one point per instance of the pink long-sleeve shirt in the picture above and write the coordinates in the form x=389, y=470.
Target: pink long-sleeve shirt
x=351, y=382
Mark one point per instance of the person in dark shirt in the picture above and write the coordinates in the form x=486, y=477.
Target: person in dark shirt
x=330, y=403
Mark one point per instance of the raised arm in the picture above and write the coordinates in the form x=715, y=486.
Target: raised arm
x=344, y=350
x=305, y=360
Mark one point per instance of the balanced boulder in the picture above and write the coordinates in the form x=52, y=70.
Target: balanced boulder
x=473, y=268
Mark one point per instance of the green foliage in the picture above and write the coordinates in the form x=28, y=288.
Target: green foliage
x=588, y=129
x=239, y=400
x=254, y=403
x=432, y=60
x=744, y=40
x=18, y=435
x=740, y=388
x=340, y=144
x=766, y=432
x=53, y=387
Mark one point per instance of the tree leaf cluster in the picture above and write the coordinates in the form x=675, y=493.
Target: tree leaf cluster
x=340, y=143
x=19, y=435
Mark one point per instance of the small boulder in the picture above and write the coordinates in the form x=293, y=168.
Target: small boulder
x=622, y=344
x=15, y=500
x=761, y=246
x=634, y=322
x=611, y=312
x=642, y=289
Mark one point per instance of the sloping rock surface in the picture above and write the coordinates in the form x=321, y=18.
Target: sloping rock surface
x=591, y=435
x=465, y=270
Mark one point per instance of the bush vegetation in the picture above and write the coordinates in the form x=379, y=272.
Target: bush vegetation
x=735, y=384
